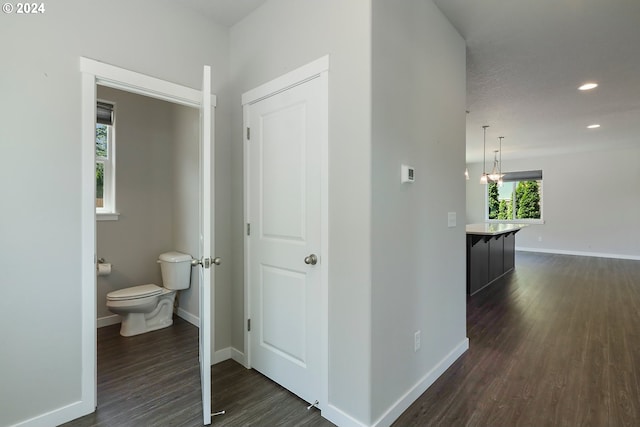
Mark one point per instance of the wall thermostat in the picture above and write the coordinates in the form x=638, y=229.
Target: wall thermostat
x=407, y=174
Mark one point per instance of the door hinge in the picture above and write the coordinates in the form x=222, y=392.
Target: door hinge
x=249, y=325
x=248, y=133
x=248, y=229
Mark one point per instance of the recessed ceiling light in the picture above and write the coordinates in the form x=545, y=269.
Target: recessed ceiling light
x=594, y=126
x=588, y=86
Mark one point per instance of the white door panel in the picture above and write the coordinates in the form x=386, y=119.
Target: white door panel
x=284, y=197
x=283, y=173
x=206, y=249
x=284, y=331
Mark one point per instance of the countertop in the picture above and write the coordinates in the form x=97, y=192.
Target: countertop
x=493, y=229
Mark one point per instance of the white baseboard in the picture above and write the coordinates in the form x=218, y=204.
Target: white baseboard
x=226, y=354
x=421, y=386
x=221, y=355
x=114, y=318
x=339, y=417
x=239, y=357
x=58, y=416
x=101, y=322
x=579, y=253
x=184, y=314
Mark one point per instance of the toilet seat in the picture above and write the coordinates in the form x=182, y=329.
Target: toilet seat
x=135, y=292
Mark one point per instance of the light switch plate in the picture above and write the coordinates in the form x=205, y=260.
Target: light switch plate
x=451, y=219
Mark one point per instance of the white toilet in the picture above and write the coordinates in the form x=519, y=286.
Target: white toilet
x=146, y=308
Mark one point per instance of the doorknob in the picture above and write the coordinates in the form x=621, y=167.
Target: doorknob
x=311, y=259
x=206, y=262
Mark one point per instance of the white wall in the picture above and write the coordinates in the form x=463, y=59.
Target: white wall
x=278, y=37
x=583, y=213
x=40, y=230
x=475, y=202
x=418, y=262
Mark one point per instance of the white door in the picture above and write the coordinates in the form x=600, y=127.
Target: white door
x=206, y=247
x=285, y=140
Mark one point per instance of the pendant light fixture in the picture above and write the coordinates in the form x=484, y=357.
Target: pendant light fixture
x=484, y=177
x=496, y=173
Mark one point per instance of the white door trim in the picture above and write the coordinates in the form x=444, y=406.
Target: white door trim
x=98, y=73
x=316, y=69
x=292, y=78
x=141, y=84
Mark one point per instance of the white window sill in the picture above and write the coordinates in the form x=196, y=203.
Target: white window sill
x=107, y=216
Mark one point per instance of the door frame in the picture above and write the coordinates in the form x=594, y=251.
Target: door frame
x=96, y=73
x=318, y=69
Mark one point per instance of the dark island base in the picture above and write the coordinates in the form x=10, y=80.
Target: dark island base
x=489, y=258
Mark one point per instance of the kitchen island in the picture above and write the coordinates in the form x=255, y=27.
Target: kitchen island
x=490, y=253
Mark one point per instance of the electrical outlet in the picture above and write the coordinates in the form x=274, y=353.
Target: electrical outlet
x=416, y=341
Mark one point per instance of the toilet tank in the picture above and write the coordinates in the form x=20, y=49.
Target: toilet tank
x=176, y=270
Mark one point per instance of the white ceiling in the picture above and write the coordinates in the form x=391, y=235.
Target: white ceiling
x=525, y=61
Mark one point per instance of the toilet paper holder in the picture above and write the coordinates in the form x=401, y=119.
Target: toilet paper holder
x=103, y=268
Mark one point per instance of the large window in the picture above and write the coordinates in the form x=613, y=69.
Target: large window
x=517, y=199
x=105, y=159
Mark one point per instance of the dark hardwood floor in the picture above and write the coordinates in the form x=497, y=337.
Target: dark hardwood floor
x=148, y=379
x=555, y=343
x=153, y=379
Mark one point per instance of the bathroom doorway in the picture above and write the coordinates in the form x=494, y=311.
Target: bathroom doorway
x=191, y=193
x=155, y=143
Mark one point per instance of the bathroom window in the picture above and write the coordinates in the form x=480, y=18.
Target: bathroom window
x=105, y=161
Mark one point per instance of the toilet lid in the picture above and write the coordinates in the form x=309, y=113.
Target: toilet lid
x=141, y=291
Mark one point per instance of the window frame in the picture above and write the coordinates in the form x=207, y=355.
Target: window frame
x=516, y=220
x=108, y=210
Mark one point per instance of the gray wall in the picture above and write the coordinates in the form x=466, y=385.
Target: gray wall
x=591, y=203
x=185, y=156
x=144, y=195
x=280, y=36
x=40, y=230
x=418, y=263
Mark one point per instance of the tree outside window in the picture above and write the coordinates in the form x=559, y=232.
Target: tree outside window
x=102, y=145
x=105, y=160
x=515, y=199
